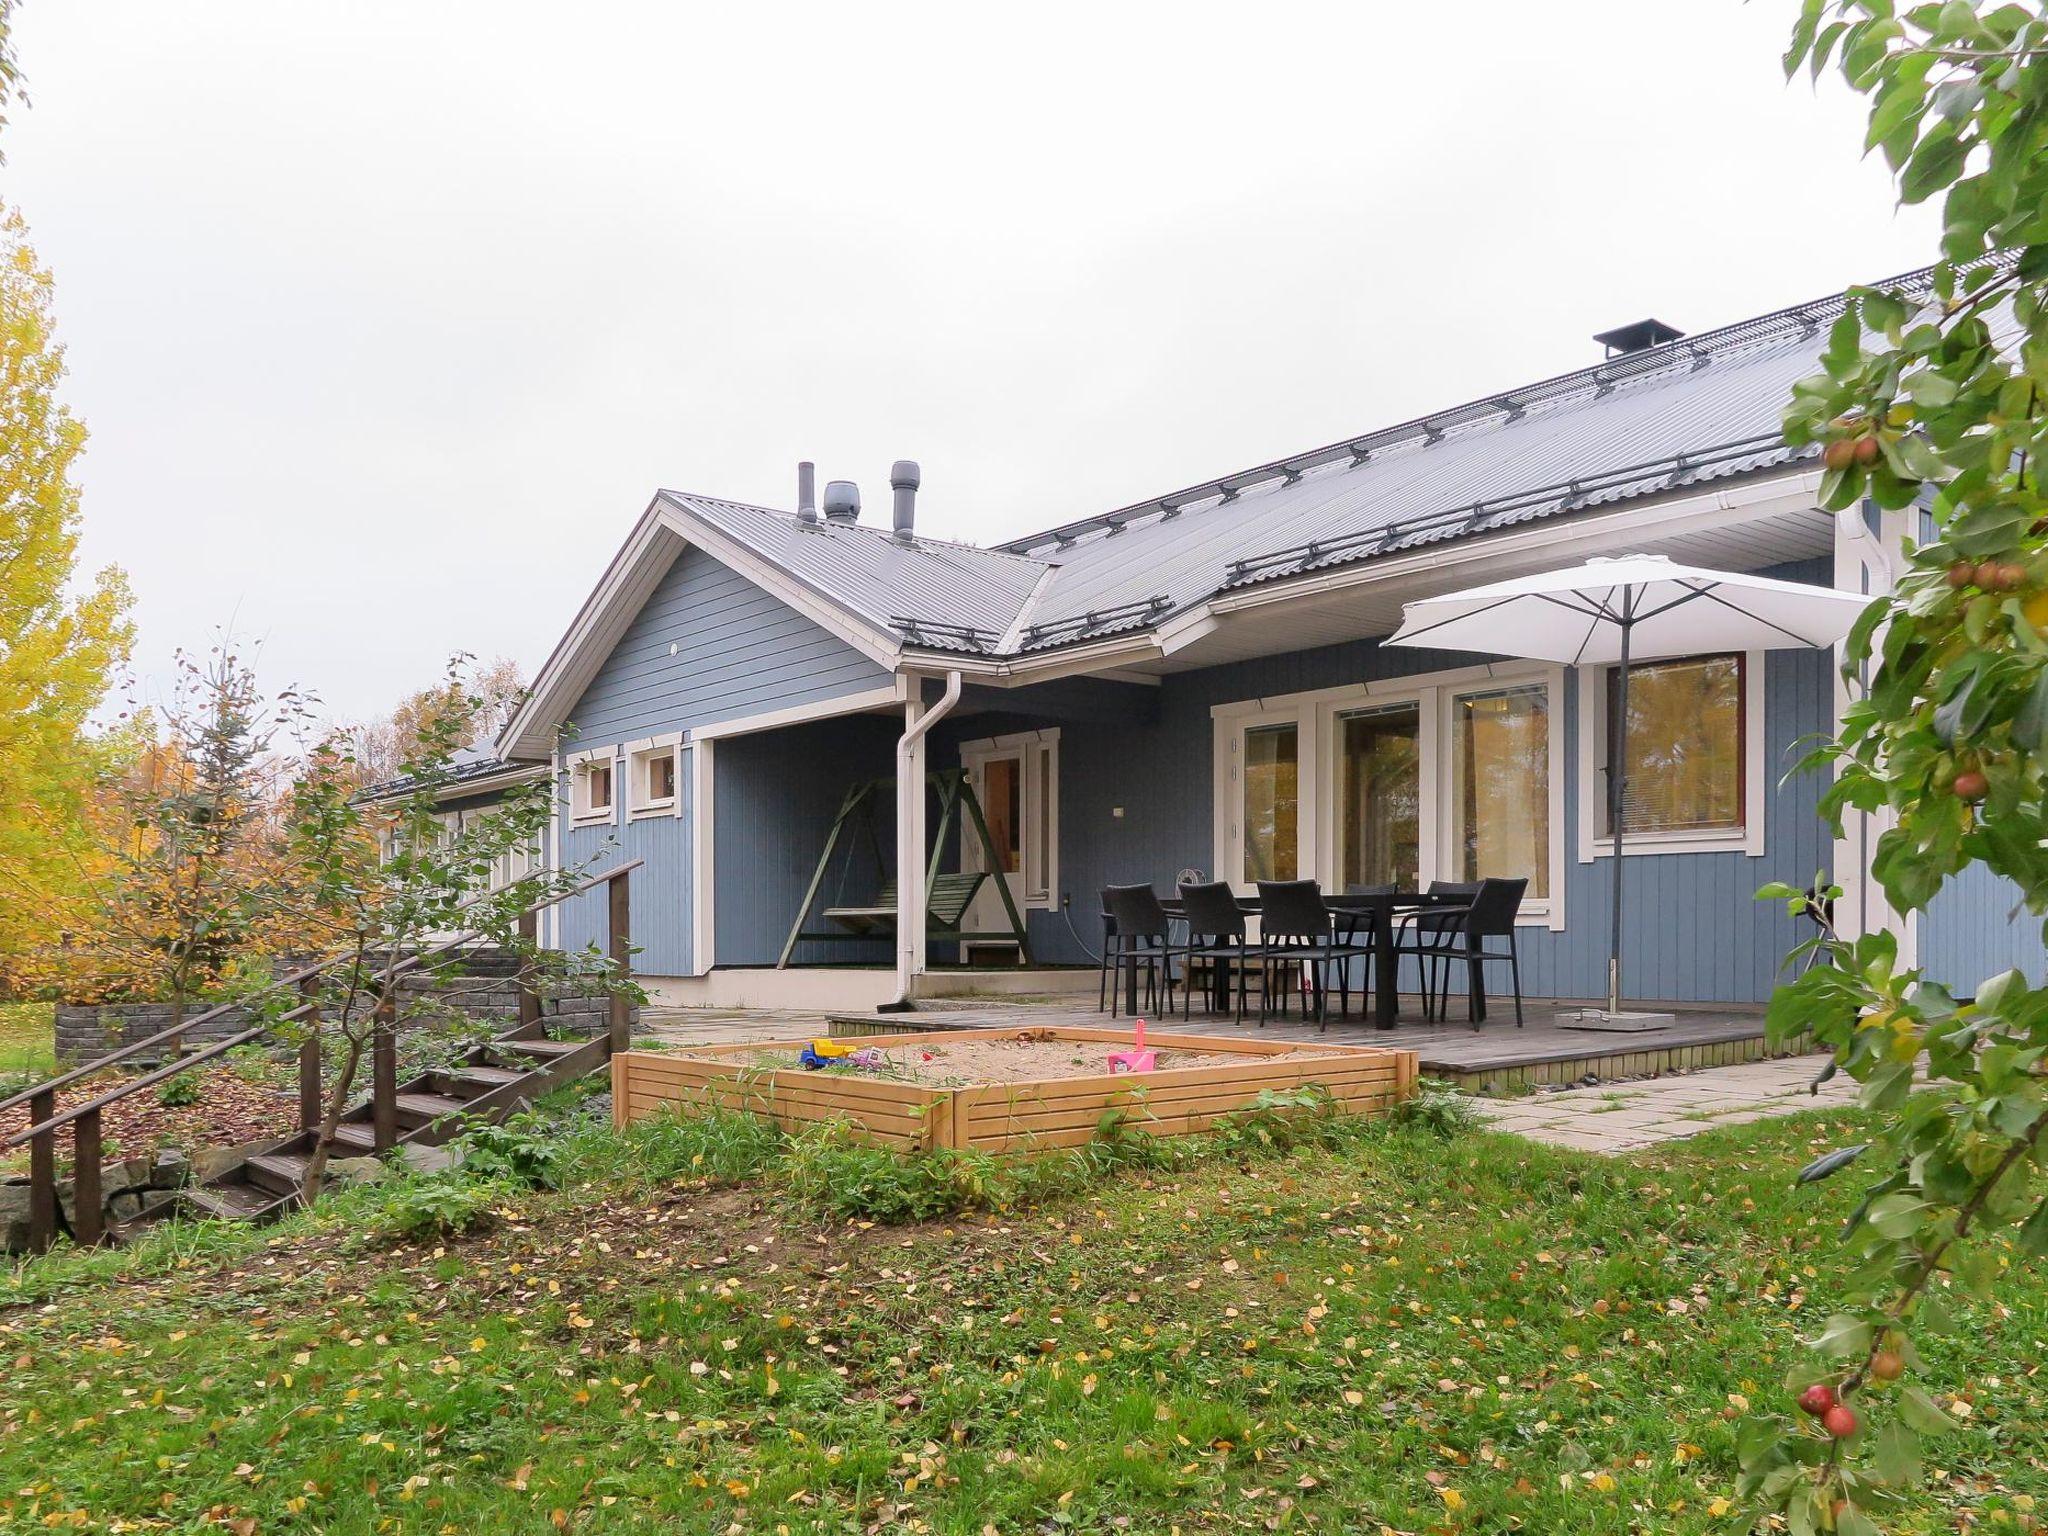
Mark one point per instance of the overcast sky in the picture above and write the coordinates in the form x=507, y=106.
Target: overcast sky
x=388, y=316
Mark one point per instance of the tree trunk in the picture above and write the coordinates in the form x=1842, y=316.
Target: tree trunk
x=337, y=1101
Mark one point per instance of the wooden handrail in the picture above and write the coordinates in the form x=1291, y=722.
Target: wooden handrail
x=296, y=978
x=169, y=1069
x=44, y=1207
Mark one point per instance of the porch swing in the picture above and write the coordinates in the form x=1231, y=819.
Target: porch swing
x=947, y=897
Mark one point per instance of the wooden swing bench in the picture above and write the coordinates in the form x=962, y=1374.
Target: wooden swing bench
x=945, y=909
x=947, y=897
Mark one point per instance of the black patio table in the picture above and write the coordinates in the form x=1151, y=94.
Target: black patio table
x=1379, y=911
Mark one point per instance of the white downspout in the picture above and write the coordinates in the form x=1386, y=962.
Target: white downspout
x=1849, y=522
x=910, y=908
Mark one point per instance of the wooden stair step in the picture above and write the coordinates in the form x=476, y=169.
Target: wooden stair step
x=354, y=1138
x=229, y=1202
x=475, y=1081
x=282, y=1173
x=425, y=1108
x=545, y=1050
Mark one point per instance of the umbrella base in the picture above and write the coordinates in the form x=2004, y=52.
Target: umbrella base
x=1625, y=1022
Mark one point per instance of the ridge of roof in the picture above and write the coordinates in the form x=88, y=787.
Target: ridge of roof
x=999, y=551
x=1698, y=351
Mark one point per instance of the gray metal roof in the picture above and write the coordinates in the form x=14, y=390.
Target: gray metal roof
x=466, y=765
x=932, y=593
x=1701, y=408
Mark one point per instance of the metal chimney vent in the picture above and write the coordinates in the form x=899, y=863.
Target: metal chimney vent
x=842, y=501
x=903, y=481
x=1640, y=337
x=806, y=492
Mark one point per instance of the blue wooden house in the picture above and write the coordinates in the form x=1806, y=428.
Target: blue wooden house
x=1197, y=681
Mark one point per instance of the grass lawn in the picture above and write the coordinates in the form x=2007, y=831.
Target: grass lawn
x=1404, y=1334
x=27, y=1038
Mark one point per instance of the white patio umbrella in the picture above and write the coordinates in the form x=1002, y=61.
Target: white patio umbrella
x=1622, y=609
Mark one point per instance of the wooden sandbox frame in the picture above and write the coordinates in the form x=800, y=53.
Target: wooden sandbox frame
x=1030, y=1115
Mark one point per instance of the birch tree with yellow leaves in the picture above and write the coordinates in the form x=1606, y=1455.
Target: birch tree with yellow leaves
x=60, y=637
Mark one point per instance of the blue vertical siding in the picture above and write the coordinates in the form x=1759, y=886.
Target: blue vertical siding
x=707, y=646
x=1976, y=929
x=737, y=651
x=774, y=798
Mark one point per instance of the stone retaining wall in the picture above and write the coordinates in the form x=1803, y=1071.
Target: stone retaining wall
x=130, y=1187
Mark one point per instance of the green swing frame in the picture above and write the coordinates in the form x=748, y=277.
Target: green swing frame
x=946, y=897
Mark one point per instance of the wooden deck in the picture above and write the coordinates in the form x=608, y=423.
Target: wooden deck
x=1497, y=1058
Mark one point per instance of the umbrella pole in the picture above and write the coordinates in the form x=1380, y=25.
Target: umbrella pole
x=1617, y=790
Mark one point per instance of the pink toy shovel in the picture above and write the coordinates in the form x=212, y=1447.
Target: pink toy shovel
x=1137, y=1059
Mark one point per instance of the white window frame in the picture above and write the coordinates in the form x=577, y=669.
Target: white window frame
x=1233, y=722
x=1316, y=714
x=1747, y=839
x=1036, y=894
x=1431, y=788
x=581, y=812
x=640, y=757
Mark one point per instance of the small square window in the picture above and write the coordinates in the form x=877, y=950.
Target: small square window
x=590, y=788
x=651, y=775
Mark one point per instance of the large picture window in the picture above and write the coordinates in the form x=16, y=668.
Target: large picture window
x=1399, y=781
x=1272, y=802
x=1685, y=742
x=1379, y=797
x=1500, y=789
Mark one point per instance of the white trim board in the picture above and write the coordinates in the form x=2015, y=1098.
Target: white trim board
x=869, y=701
x=702, y=766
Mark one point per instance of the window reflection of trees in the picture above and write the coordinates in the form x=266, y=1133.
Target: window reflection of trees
x=1272, y=802
x=1685, y=745
x=1502, y=792
x=1382, y=797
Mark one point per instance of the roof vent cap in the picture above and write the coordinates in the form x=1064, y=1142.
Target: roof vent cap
x=842, y=501
x=903, y=481
x=1639, y=337
x=806, y=492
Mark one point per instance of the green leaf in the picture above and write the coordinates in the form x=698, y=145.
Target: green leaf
x=1895, y=1453
x=1851, y=1521
x=1948, y=716
x=1899, y=1216
x=1844, y=1337
x=1935, y=164
x=2033, y=1235
x=2030, y=725
x=1921, y=1412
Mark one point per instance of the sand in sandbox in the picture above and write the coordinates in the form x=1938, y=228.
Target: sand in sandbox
x=1002, y=1058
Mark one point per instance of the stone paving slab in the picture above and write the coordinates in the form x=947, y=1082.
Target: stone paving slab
x=1626, y=1117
